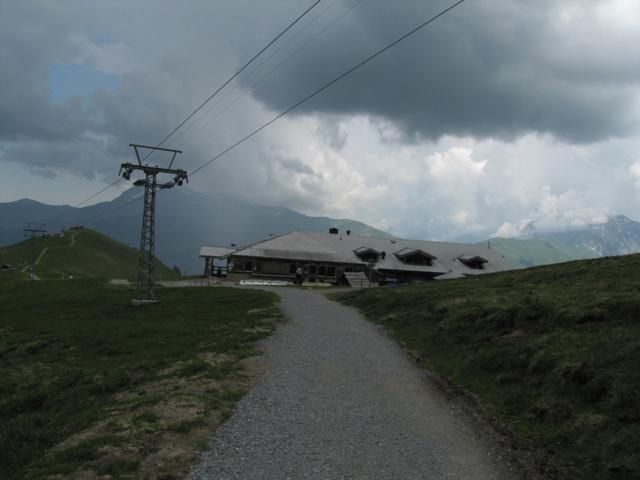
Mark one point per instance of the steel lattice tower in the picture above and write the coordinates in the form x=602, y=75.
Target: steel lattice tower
x=147, y=240
x=31, y=232
x=147, y=234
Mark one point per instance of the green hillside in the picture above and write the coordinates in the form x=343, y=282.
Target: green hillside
x=81, y=254
x=93, y=388
x=552, y=352
x=531, y=252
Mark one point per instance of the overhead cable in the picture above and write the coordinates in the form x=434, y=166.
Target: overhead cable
x=79, y=204
x=232, y=77
x=326, y=85
x=275, y=39
x=228, y=105
x=183, y=138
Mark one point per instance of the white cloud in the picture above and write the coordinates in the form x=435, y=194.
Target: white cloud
x=508, y=230
x=455, y=167
x=568, y=209
x=361, y=165
x=115, y=58
x=634, y=170
x=555, y=212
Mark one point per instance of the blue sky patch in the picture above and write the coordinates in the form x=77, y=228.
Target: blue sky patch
x=72, y=80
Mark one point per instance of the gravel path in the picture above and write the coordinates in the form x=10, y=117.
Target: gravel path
x=342, y=401
x=46, y=249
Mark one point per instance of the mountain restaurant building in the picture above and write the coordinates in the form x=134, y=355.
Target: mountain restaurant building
x=327, y=257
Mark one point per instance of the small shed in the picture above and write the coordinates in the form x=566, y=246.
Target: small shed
x=212, y=255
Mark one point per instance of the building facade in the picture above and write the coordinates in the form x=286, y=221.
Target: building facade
x=326, y=257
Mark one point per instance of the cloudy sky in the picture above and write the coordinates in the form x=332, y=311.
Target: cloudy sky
x=501, y=113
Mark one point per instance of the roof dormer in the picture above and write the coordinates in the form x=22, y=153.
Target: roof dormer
x=415, y=256
x=475, y=262
x=367, y=254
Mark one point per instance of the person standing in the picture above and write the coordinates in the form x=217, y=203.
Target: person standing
x=299, y=276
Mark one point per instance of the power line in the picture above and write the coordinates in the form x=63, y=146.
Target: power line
x=275, y=39
x=327, y=85
x=232, y=77
x=183, y=139
x=305, y=99
x=269, y=73
x=313, y=94
x=98, y=193
x=79, y=204
x=128, y=202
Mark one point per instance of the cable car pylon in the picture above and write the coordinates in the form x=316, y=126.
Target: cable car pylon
x=145, y=294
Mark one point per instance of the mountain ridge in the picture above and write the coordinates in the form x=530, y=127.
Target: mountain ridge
x=619, y=235
x=185, y=221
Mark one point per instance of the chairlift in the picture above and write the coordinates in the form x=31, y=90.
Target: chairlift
x=126, y=173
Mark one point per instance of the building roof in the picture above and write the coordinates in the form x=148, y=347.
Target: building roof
x=449, y=276
x=298, y=246
x=215, y=252
x=337, y=248
x=472, y=258
x=357, y=279
x=361, y=250
x=408, y=252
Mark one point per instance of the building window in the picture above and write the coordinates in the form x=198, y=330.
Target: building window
x=417, y=260
x=322, y=270
x=475, y=263
x=415, y=257
x=248, y=266
x=312, y=269
x=331, y=271
x=369, y=257
x=366, y=254
x=292, y=268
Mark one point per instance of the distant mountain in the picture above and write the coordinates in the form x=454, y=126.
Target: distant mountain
x=185, y=221
x=618, y=236
x=528, y=252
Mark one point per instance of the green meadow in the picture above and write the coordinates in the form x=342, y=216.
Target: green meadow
x=552, y=353
x=92, y=386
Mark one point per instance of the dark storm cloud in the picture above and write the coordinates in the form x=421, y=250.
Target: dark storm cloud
x=90, y=135
x=491, y=68
x=25, y=110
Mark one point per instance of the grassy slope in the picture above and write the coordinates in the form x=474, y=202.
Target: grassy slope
x=553, y=352
x=130, y=391
x=575, y=252
x=93, y=255
x=530, y=252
